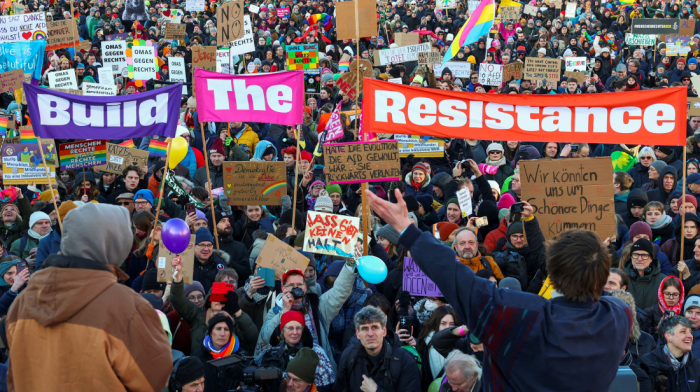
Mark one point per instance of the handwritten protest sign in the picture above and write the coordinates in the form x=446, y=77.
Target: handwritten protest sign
x=349, y=80
x=464, y=197
x=513, y=71
x=570, y=194
x=491, y=74
x=175, y=31
x=400, y=55
x=165, y=260
x=445, y=4
x=687, y=27
x=229, y=21
x=22, y=165
x=24, y=27
x=430, y=148
x=194, y=5
x=406, y=39
x=570, y=10
x=63, y=79
x=579, y=77
x=693, y=106
x=255, y=183
x=429, y=58
x=119, y=157
x=416, y=282
x=460, y=69
x=510, y=12
x=303, y=56
x=62, y=34
x=177, y=71
x=82, y=154
x=355, y=162
x=279, y=256
x=11, y=80
x=530, y=9
x=105, y=75
x=247, y=42
x=99, y=89
x=331, y=234
x=204, y=57
x=640, y=39
x=538, y=69
x=366, y=18
x=575, y=64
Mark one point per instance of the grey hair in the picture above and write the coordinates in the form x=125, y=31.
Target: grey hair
x=647, y=151
x=466, y=364
x=368, y=315
x=668, y=325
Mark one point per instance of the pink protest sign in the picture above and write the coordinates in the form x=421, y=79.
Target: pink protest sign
x=283, y=13
x=416, y=282
x=276, y=98
x=334, y=128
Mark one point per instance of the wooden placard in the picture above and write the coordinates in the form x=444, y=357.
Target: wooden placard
x=62, y=34
x=279, y=256
x=84, y=46
x=570, y=194
x=356, y=162
x=693, y=107
x=11, y=80
x=367, y=10
x=406, y=39
x=253, y=182
x=229, y=21
x=580, y=77
x=331, y=234
x=513, y=71
x=119, y=157
x=538, y=69
x=175, y=31
x=165, y=259
x=429, y=58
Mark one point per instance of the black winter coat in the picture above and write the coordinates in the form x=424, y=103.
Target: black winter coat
x=685, y=379
x=640, y=175
x=213, y=382
x=205, y=273
x=238, y=257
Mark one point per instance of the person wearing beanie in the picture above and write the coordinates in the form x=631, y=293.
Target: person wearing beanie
x=388, y=238
x=301, y=371
x=231, y=250
x=672, y=248
x=418, y=180
x=335, y=192
x=91, y=251
x=219, y=342
x=323, y=203
x=51, y=244
x=217, y=154
x=207, y=261
x=25, y=247
x=47, y=194
x=143, y=200
x=150, y=283
x=644, y=272
x=193, y=292
x=654, y=170
x=188, y=375
x=497, y=167
x=446, y=231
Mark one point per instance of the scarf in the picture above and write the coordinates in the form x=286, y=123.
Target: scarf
x=177, y=189
x=38, y=236
x=675, y=364
x=665, y=219
x=260, y=295
x=676, y=309
x=230, y=347
x=499, y=162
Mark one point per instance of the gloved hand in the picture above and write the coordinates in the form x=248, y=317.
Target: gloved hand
x=231, y=306
x=228, y=141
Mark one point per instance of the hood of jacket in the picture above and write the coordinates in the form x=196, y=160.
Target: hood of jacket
x=260, y=149
x=677, y=232
x=691, y=146
x=636, y=197
x=634, y=275
x=409, y=179
x=660, y=181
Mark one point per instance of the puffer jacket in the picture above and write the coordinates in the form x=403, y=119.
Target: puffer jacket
x=645, y=288
x=247, y=137
x=425, y=189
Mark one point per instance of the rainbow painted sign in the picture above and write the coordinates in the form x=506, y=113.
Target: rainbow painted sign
x=255, y=182
x=23, y=27
x=83, y=154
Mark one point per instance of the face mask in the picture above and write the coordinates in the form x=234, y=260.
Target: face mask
x=142, y=235
x=430, y=305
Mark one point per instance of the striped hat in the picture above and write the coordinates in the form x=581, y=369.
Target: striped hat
x=420, y=166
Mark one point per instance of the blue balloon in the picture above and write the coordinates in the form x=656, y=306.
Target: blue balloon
x=175, y=235
x=372, y=269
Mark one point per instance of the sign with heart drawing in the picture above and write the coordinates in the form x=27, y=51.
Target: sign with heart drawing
x=255, y=183
x=348, y=80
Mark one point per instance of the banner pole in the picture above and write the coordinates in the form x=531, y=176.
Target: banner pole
x=211, y=195
x=365, y=210
x=683, y=202
x=296, y=182
x=160, y=193
x=48, y=177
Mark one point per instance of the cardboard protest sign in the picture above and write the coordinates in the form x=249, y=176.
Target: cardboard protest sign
x=303, y=56
x=570, y=194
x=11, y=80
x=279, y=256
x=119, y=157
x=693, y=106
x=406, y=39
x=575, y=64
x=687, y=27
x=677, y=45
x=331, y=234
x=580, y=77
x=400, y=55
x=63, y=79
x=80, y=155
x=640, y=39
x=23, y=27
x=177, y=71
x=62, y=34
x=84, y=45
x=464, y=197
x=246, y=43
x=429, y=58
x=165, y=260
x=416, y=282
x=99, y=89
x=175, y=31
x=513, y=71
x=229, y=21
x=510, y=12
x=355, y=162
x=367, y=19
x=255, y=183
x=655, y=26
x=538, y=69
x=204, y=57
x=570, y=10
x=430, y=148
x=22, y=165
x=349, y=80
x=491, y=74
x=143, y=62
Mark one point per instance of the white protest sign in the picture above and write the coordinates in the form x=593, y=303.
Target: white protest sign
x=530, y=9
x=465, y=201
x=254, y=9
x=575, y=64
x=177, y=71
x=472, y=4
x=63, y=79
x=247, y=43
x=402, y=54
x=105, y=75
x=460, y=69
x=194, y=5
x=23, y=27
x=570, y=10
x=98, y=89
x=491, y=74
x=640, y=39
x=144, y=59
x=114, y=55
x=395, y=80
x=223, y=61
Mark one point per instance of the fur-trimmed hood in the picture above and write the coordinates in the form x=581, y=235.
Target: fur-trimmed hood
x=225, y=256
x=409, y=179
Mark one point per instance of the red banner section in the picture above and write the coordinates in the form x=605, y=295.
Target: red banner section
x=652, y=117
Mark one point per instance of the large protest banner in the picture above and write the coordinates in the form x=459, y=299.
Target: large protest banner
x=538, y=69
x=571, y=194
x=80, y=155
x=255, y=183
x=416, y=282
x=356, y=162
x=229, y=21
x=165, y=260
x=24, y=27
x=637, y=117
x=655, y=26
x=22, y=164
x=400, y=55
x=27, y=56
x=64, y=116
x=331, y=234
x=279, y=256
x=273, y=98
x=119, y=157
x=62, y=34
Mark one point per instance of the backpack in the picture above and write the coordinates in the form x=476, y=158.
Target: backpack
x=391, y=372
x=512, y=265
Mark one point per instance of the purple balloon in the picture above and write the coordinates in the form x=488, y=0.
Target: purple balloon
x=175, y=235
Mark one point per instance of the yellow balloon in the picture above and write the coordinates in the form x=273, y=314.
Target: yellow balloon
x=178, y=151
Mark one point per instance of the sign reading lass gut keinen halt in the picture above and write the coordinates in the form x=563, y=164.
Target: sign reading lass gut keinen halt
x=570, y=194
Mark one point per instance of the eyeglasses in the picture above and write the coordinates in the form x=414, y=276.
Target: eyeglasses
x=141, y=203
x=672, y=295
x=196, y=298
x=291, y=286
x=640, y=256
x=205, y=246
x=295, y=381
x=645, y=158
x=124, y=203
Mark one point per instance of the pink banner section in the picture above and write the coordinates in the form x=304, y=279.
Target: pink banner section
x=276, y=98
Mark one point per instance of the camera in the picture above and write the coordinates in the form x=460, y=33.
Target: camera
x=297, y=293
x=244, y=371
x=516, y=208
x=405, y=322
x=574, y=148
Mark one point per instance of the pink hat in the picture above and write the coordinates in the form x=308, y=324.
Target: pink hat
x=487, y=169
x=505, y=201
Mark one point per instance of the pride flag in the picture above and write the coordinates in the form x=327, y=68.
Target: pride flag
x=128, y=143
x=325, y=20
x=27, y=136
x=156, y=148
x=3, y=125
x=478, y=24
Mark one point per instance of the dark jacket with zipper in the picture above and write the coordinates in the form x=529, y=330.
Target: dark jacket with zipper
x=685, y=379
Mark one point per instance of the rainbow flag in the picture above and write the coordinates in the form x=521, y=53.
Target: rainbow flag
x=478, y=24
x=27, y=136
x=128, y=143
x=324, y=19
x=344, y=66
x=3, y=125
x=156, y=148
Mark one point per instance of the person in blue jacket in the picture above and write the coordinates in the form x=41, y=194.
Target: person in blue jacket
x=572, y=342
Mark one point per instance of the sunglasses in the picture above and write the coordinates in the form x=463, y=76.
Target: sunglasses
x=124, y=203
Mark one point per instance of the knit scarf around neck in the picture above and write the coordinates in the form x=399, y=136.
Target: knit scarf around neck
x=661, y=222
x=38, y=236
x=230, y=347
x=499, y=162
